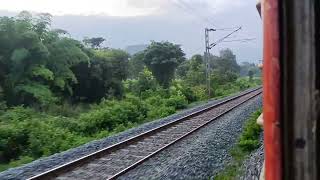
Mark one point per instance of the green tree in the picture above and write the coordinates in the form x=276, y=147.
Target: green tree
x=24, y=58
x=225, y=62
x=196, y=62
x=42, y=24
x=162, y=58
x=64, y=54
x=102, y=77
x=196, y=75
x=245, y=67
x=35, y=62
x=136, y=65
x=182, y=69
x=94, y=42
x=250, y=74
x=145, y=81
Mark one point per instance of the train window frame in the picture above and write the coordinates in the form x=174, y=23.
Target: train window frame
x=300, y=78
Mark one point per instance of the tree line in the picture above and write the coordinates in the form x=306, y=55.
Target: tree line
x=41, y=66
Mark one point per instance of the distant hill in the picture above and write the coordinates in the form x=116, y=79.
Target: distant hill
x=133, y=49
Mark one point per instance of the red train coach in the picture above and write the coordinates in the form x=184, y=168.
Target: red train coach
x=291, y=84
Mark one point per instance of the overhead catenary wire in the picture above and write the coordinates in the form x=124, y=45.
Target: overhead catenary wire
x=197, y=50
x=228, y=29
x=240, y=40
x=225, y=37
x=192, y=9
x=189, y=11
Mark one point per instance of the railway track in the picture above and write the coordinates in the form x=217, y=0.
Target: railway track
x=113, y=161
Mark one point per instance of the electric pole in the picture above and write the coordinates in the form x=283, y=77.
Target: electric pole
x=207, y=53
x=207, y=59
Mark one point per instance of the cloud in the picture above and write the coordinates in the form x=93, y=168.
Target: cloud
x=76, y=7
x=122, y=8
x=147, y=4
x=211, y=6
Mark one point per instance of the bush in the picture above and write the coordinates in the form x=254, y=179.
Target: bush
x=177, y=102
x=180, y=88
x=154, y=101
x=3, y=107
x=160, y=112
x=225, y=90
x=200, y=92
x=66, y=109
x=13, y=141
x=249, y=144
x=144, y=82
x=189, y=94
x=14, y=132
x=19, y=113
x=46, y=139
x=245, y=83
x=249, y=139
x=109, y=114
x=22, y=160
x=23, y=132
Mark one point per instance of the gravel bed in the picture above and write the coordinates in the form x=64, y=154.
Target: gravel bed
x=252, y=166
x=201, y=155
x=47, y=163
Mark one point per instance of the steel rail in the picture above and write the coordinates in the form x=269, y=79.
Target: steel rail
x=173, y=142
x=75, y=163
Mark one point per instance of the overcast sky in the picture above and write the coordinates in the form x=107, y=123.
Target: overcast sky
x=129, y=22
x=112, y=7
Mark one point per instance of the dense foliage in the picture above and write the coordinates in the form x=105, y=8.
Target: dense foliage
x=57, y=92
x=40, y=66
x=163, y=59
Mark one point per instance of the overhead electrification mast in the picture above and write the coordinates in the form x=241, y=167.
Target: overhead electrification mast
x=207, y=53
x=206, y=59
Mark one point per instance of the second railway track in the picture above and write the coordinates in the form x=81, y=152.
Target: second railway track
x=113, y=161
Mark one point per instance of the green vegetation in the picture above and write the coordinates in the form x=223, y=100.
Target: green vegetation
x=163, y=59
x=248, y=142
x=57, y=93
